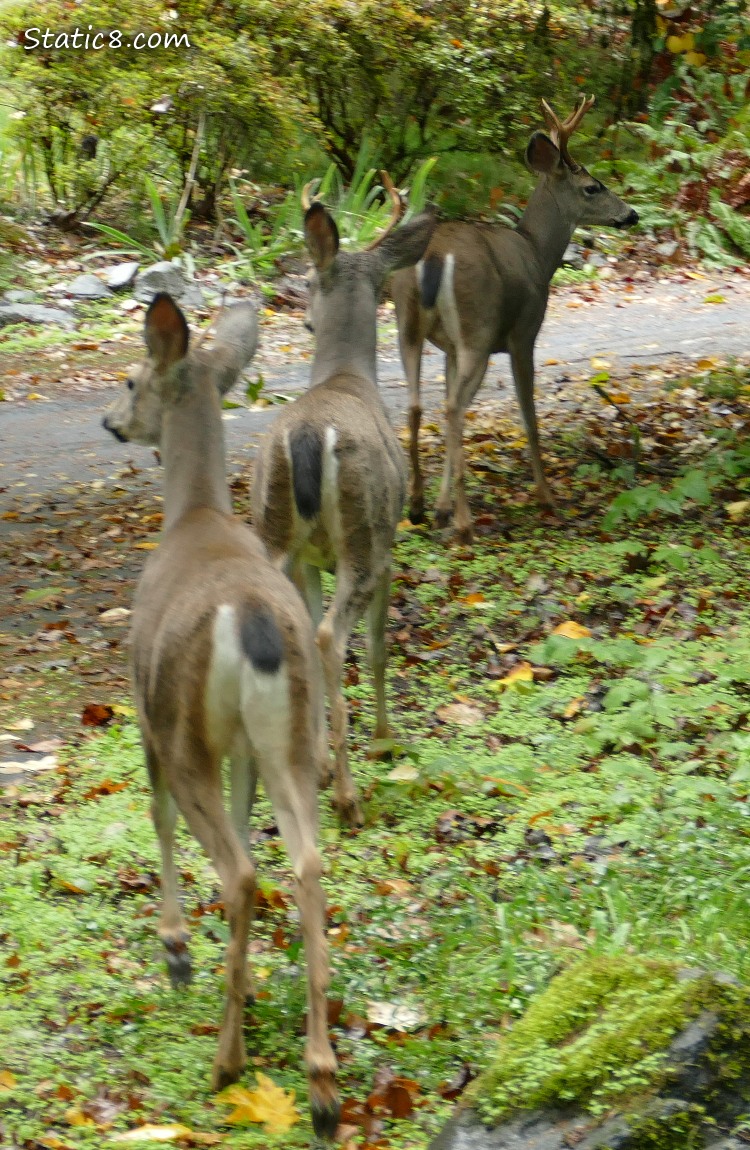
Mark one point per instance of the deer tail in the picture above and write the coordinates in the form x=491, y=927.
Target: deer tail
x=431, y=273
x=306, y=453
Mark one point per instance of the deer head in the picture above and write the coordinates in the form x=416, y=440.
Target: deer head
x=579, y=196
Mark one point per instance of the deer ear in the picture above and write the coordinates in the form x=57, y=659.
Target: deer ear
x=321, y=236
x=235, y=344
x=542, y=156
x=166, y=331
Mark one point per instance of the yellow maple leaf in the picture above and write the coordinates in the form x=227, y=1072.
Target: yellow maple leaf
x=572, y=630
x=523, y=673
x=8, y=1080
x=268, y=1104
x=76, y=1117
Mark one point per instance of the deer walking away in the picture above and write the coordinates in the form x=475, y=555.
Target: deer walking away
x=224, y=668
x=330, y=479
x=482, y=289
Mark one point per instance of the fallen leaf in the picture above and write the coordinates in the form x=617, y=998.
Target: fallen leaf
x=403, y=773
x=19, y=725
x=114, y=614
x=148, y=544
x=96, y=714
x=48, y=763
x=738, y=510
x=572, y=630
x=8, y=1080
x=523, y=673
x=74, y=1116
x=175, y=1132
x=268, y=1104
x=394, y=1016
x=715, y=297
x=463, y=714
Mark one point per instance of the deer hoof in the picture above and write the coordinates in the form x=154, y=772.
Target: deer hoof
x=443, y=516
x=223, y=1076
x=350, y=812
x=464, y=536
x=416, y=511
x=325, y=1118
x=179, y=966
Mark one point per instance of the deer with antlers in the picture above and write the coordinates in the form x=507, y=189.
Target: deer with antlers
x=482, y=289
x=330, y=479
x=224, y=666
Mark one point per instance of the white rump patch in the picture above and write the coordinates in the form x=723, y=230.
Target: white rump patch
x=446, y=301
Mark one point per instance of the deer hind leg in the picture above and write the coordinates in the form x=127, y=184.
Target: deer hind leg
x=410, y=343
x=469, y=373
x=243, y=786
x=172, y=929
x=522, y=366
x=353, y=593
x=445, y=498
x=196, y=782
x=377, y=617
x=292, y=789
x=307, y=581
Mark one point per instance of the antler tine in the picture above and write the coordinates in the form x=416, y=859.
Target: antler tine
x=578, y=113
x=552, y=121
x=306, y=197
x=397, y=210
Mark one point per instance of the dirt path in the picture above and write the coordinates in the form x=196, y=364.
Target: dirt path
x=45, y=444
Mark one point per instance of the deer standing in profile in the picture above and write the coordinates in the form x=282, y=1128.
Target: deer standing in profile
x=330, y=478
x=224, y=666
x=483, y=289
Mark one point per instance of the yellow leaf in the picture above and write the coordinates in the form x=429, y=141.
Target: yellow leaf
x=404, y=773
x=76, y=1117
x=35, y=395
x=706, y=364
x=695, y=58
x=572, y=630
x=619, y=397
x=523, y=673
x=268, y=1104
x=738, y=510
x=676, y=44
x=171, y=1133
x=147, y=546
x=600, y=364
x=574, y=707
x=8, y=1080
x=715, y=297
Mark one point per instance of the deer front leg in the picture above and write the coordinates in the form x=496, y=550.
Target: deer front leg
x=522, y=366
x=444, y=506
x=377, y=617
x=172, y=929
x=354, y=590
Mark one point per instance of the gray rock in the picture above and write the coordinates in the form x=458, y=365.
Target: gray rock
x=668, y=249
x=192, y=296
x=596, y=260
x=164, y=276
x=16, y=295
x=122, y=275
x=573, y=257
x=34, y=313
x=87, y=287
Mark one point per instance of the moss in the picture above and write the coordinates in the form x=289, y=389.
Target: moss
x=599, y=1037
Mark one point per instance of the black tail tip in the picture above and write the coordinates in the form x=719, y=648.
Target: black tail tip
x=325, y=1119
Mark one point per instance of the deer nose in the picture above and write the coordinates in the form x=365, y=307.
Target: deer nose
x=631, y=220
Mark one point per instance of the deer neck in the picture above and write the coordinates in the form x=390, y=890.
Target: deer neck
x=547, y=225
x=345, y=344
x=192, y=450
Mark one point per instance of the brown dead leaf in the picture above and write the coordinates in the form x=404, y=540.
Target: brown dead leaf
x=96, y=714
x=462, y=714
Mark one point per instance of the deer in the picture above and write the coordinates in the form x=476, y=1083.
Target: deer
x=330, y=478
x=482, y=289
x=224, y=667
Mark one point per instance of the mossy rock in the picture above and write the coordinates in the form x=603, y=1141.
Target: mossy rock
x=619, y=1053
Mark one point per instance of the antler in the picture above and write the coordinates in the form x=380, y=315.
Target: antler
x=397, y=210
x=306, y=197
x=561, y=130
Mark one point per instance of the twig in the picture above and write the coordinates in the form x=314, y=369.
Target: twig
x=636, y=431
x=190, y=179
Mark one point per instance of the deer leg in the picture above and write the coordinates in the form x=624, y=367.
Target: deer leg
x=243, y=785
x=196, y=781
x=411, y=357
x=307, y=580
x=353, y=594
x=377, y=618
x=522, y=366
x=172, y=930
x=470, y=372
x=292, y=790
x=444, y=504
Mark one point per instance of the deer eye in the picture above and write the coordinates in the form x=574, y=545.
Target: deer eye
x=130, y=384
x=592, y=189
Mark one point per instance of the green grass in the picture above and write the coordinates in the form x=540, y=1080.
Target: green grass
x=600, y=808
